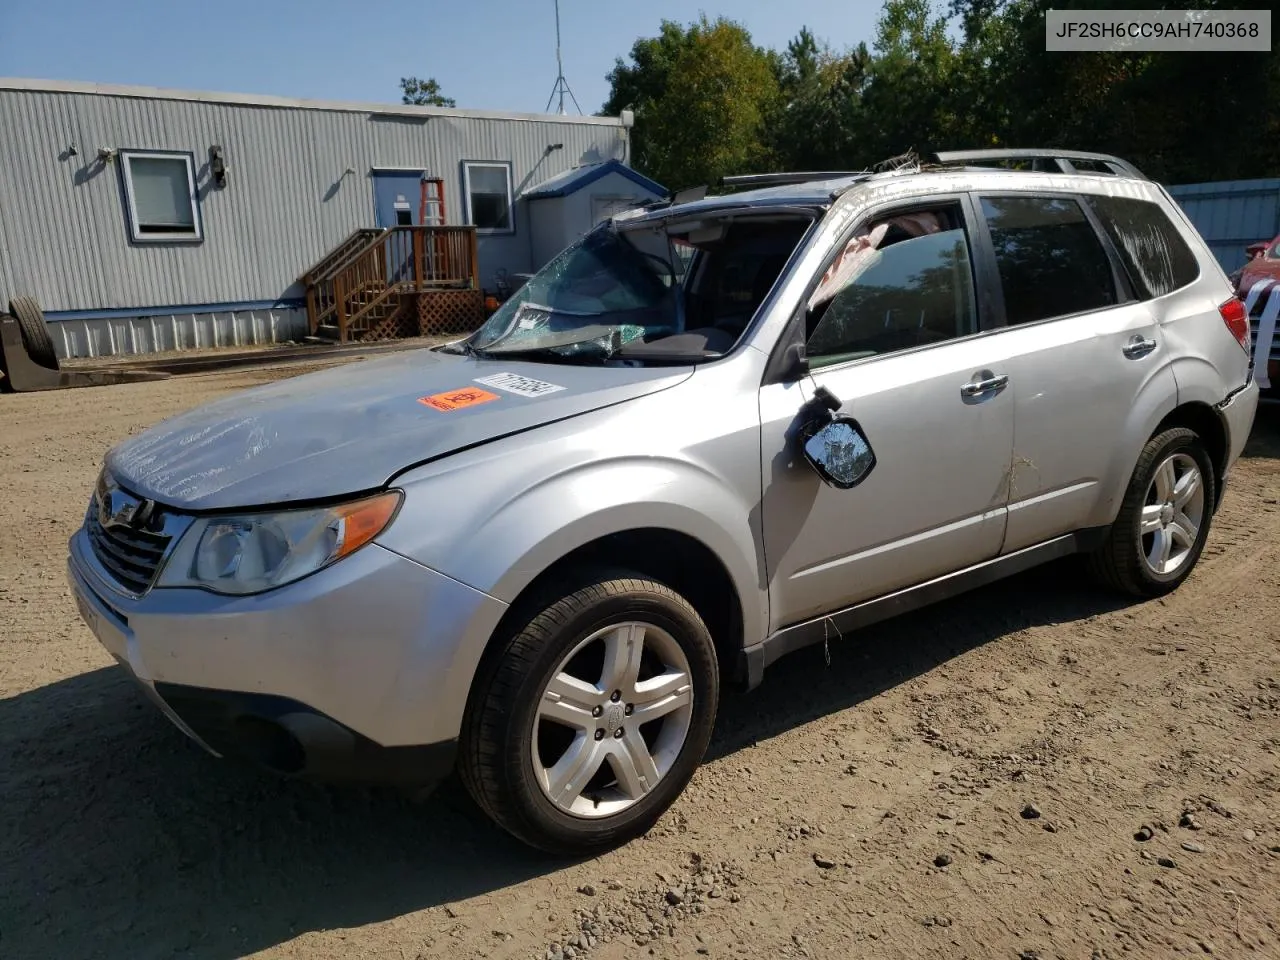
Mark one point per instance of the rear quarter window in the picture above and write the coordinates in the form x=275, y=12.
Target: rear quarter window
x=1154, y=254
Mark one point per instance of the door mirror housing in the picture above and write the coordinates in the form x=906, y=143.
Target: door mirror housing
x=838, y=451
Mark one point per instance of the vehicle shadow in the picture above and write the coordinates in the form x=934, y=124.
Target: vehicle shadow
x=802, y=687
x=122, y=839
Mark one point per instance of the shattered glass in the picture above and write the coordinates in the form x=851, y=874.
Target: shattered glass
x=598, y=295
x=840, y=450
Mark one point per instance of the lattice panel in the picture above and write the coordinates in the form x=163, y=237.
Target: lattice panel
x=398, y=325
x=450, y=311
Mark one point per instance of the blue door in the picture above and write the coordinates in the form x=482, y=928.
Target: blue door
x=397, y=200
x=397, y=197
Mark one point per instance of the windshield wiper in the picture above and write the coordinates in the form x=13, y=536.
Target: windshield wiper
x=459, y=347
x=601, y=353
x=550, y=352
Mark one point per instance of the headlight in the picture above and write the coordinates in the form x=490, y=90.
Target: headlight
x=256, y=552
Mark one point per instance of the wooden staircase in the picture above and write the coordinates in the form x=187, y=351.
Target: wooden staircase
x=382, y=283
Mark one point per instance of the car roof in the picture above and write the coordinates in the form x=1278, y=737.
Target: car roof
x=820, y=190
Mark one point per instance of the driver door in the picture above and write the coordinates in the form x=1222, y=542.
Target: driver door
x=894, y=334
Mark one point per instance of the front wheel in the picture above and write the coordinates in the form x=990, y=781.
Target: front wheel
x=590, y=720
x=1164, y=520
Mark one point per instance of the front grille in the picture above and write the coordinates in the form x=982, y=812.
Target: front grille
x=131, y=555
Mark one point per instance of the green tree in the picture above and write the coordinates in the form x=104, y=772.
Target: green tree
x=709, y=102
x=817, y=117
x=700, y=95
x=1170, y=113
x=640, y=84
x=913, y=97
x=424, y=93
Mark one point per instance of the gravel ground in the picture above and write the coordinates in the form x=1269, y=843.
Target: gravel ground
x=1033, y=770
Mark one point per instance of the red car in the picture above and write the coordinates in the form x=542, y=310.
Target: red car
x=1263, y=264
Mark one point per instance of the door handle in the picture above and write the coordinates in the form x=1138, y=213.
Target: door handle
x=1138, y=347
x=976, y=388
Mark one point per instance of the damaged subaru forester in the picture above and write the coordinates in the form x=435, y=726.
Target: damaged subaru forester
x=710, y=432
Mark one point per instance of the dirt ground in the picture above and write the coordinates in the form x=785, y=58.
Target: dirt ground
x=963, y=782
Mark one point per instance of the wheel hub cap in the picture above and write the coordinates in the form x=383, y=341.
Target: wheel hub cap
x=612, y=720
x=1173, y=514
x=613, y=715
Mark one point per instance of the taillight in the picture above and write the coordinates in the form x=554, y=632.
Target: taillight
x=1236, y=317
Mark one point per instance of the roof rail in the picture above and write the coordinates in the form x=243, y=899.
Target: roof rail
x=1062, y=159
x=782, y=179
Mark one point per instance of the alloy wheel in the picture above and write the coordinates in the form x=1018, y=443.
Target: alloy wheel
x=1172, y=514
x=612, y=719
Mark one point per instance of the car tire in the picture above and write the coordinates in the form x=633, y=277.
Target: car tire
x=35, y=331
x=509, y=754
x=1155, y=521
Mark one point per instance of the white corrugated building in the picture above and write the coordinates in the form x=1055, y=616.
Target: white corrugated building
x=144, y=219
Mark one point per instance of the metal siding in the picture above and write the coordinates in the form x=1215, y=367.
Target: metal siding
x=286, y=203
x=122, y=336
x=1231, y=214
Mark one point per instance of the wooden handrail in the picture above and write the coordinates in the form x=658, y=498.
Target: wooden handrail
x=397, y=260
x=333, y=260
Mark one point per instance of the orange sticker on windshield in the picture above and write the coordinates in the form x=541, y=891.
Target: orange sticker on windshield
x=457, y=399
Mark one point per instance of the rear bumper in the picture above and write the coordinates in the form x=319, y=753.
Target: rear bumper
x=1237, y=412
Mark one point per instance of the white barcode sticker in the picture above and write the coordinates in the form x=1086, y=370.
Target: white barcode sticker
x=520, y=386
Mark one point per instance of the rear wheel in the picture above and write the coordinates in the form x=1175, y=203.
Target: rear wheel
x=588, y=723
x=1164, y=520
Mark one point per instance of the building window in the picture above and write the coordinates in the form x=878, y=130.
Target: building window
x=160, y=197
x=487, y=189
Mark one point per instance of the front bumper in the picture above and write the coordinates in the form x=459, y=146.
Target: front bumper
x=360, y=671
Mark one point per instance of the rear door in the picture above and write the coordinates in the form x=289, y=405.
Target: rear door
x=1087, y=361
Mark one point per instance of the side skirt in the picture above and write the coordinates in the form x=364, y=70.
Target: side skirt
x=812, y=631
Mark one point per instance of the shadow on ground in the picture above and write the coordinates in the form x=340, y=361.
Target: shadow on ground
x=122, y=839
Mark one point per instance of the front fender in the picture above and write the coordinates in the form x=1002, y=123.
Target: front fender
x=500, y=542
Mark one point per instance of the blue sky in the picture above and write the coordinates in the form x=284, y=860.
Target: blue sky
x=487, y=54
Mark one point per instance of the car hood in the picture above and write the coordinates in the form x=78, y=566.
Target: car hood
x=352, y=428
x=1256, y=270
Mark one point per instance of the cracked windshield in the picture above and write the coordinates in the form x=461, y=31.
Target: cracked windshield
x=678, y=292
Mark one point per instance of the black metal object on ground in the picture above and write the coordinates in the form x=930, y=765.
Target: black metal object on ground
x=20, y=373
x=35, y=332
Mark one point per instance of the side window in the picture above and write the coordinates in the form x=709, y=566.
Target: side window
x=904, y=280
x=1051, y=261
x=1156, y=257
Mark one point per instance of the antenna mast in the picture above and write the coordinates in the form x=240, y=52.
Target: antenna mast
x=562, y=85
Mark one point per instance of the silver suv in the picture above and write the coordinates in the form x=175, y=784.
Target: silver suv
x=712, y=431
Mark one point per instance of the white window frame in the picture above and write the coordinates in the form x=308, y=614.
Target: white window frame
x=503, y=165
x=131, y=207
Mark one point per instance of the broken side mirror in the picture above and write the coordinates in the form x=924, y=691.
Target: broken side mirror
x=838, y=451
